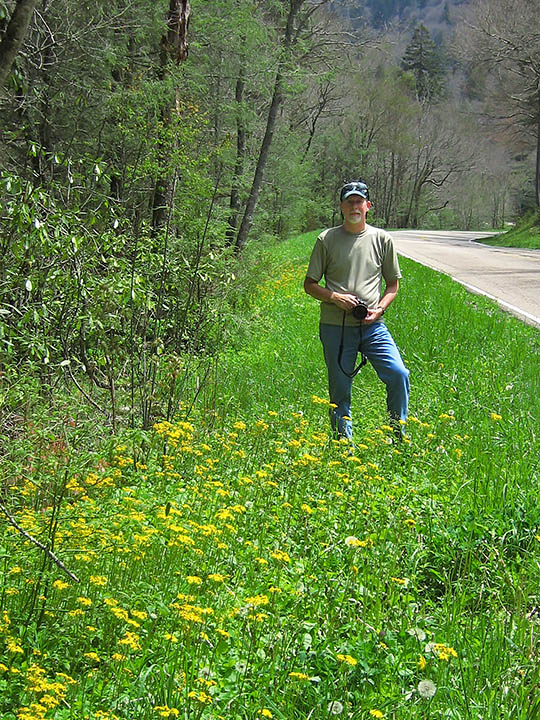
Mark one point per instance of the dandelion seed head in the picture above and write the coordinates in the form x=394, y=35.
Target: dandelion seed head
x=426, y=689
x=335, y=707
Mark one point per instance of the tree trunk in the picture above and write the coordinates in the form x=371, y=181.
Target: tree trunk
x=277, y=99
x=174, y=46
x=247, y=220
x=537, y=177
x=14, y=37
x=240, y=154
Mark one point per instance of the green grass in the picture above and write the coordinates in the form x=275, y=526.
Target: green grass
x=526, y=234
x=244, y=565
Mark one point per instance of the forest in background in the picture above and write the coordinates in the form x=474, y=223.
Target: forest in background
x=148, y=147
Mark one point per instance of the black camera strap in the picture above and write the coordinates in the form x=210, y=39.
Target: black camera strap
x=340, y=353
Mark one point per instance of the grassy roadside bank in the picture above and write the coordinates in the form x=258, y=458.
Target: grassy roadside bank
x=526, y=234
x=243, y=565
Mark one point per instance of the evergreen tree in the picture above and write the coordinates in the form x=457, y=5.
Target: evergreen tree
x=423, y=61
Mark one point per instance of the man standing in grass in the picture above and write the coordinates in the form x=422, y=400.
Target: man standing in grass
x=354, y=259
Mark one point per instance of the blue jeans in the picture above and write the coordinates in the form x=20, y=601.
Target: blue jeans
x=379, y=347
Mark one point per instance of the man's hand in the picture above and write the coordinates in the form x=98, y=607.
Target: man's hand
x=373, y=315
x=345, y=301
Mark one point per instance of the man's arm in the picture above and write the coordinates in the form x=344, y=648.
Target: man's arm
x=342, y=300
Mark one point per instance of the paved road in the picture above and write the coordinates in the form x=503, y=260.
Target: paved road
x=510, y=276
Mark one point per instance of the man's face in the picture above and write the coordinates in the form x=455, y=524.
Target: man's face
x=354, y=209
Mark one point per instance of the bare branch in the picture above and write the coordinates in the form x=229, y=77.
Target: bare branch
x=56, y=560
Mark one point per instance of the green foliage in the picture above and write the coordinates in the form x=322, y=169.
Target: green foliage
x=80, y=291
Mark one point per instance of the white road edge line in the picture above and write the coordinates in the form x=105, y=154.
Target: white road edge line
x=472, y=288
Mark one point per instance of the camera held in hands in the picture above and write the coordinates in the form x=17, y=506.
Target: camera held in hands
x=360, y=310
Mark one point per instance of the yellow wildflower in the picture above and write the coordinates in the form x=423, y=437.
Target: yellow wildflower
x=99, y=580
x=131, y=640
x=258, y=600
x=281, y=555
x=400, y=581
x=166, y=712
x=348, y=659
x=444, y=652
x=354, y=542
x=92, y=656
x=298, y=676
x=201, y=696
x=13, y=646
x=60, y=585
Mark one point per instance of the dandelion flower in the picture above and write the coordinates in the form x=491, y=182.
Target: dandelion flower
x=264, y=712
x=426, y=689
x=376, y=713
x=495, y=417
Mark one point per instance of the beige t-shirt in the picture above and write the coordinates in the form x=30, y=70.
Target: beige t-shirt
x=353, y=263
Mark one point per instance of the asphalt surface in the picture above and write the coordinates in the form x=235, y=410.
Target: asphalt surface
x=511, y=276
